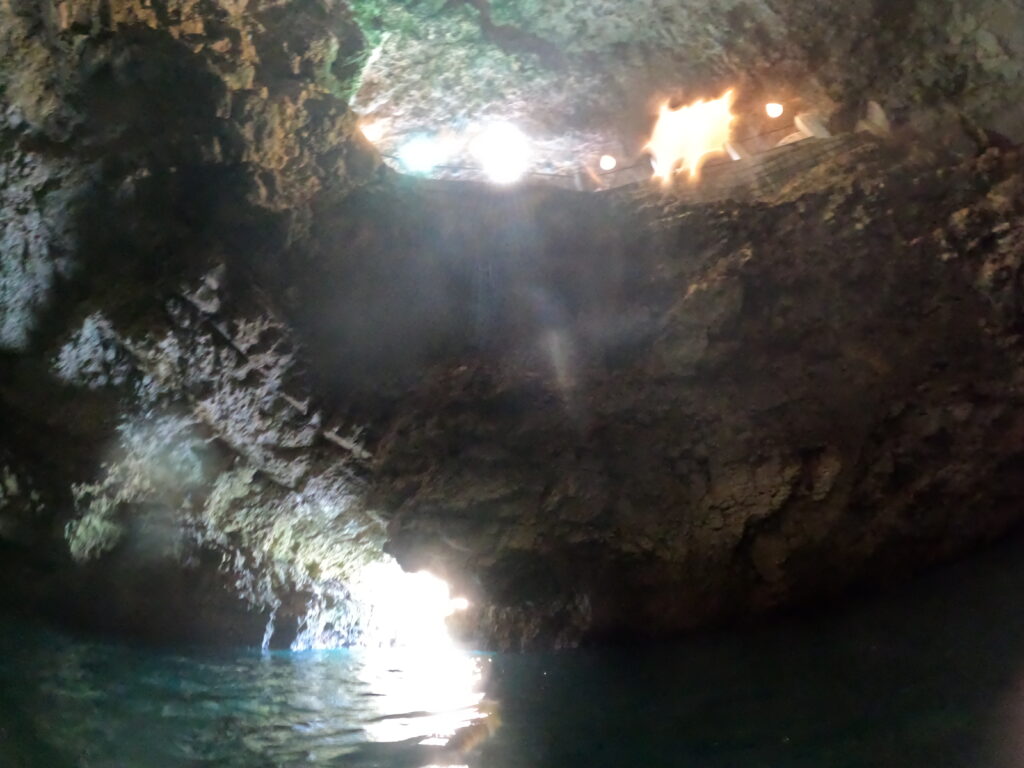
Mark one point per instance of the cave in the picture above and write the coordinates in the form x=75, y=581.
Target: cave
x=451, y=383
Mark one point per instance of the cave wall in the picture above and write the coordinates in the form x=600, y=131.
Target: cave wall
x=239, y=359
x=154, y=157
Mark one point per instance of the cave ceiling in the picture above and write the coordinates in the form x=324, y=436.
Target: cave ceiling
x=582, y=78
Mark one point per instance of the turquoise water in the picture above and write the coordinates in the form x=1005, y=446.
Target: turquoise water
x=930, y=676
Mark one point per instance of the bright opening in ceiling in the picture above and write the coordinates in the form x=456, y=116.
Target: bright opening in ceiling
x=490, y=92
x=422, y=154
x=503, y=152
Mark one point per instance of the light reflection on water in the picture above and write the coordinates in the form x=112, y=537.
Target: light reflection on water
x=70, y=702
x=434, y=694
x=929, y=676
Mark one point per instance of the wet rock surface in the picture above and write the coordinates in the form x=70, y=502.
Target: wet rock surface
x=239, y=360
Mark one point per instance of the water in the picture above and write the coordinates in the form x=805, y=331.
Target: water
x=930, y=676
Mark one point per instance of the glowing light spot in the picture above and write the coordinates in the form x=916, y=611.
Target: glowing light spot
x=373, y=130
x=684, y=137
x=503, y=151
x=435, y=741
x=405, y=609
x=608, y=163
x=441, y=691
x=774, y=110
x=408, y=659
x=423, y=154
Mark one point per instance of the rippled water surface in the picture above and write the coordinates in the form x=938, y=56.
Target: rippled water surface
x=930, y=676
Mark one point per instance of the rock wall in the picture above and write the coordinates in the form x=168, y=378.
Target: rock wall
x=155, y=156
x=239, y=360
x=692, y=414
